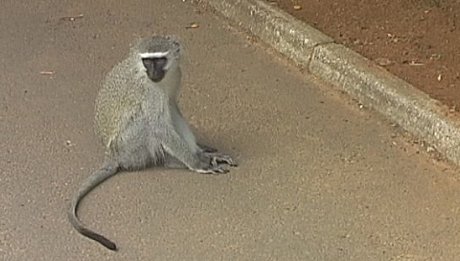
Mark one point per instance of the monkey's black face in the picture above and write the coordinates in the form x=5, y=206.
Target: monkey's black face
x=156, y=67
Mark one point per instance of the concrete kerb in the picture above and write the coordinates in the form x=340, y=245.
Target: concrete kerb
x=348, y=71
x=289, y=36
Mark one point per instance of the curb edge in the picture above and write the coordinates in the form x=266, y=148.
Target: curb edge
x=348, y=71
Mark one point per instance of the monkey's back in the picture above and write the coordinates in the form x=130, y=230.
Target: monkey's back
x=119, y=101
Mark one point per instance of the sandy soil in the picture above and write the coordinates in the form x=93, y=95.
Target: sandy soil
x=416, y=40
x=319, y=177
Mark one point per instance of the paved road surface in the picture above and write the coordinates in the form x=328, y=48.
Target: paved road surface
x=319, y=178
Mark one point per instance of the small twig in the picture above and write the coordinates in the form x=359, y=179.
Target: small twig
x=192, y=26
x=414, y=63
x=71, y=18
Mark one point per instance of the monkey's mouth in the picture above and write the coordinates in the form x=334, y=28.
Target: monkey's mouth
x=157, y=75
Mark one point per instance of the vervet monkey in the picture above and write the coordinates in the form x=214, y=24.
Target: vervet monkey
x=140, y=124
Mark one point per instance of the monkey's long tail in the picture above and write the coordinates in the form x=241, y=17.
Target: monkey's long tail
x=99, y=176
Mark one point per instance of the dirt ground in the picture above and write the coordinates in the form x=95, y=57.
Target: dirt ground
x=417, y=40
x=319, y=177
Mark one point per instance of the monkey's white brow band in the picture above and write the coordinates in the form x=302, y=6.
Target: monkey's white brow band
x=153, y=55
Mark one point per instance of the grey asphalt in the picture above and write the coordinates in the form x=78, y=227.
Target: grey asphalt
x=319, y=177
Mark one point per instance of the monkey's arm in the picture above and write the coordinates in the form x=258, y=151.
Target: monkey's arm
x=206, y=148
x=183, y=127
x=194, y=159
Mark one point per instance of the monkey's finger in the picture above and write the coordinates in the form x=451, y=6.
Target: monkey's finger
x=223, y=159
x=214, y=170
x=220, y=170
x=217, y=171
x=230, y=162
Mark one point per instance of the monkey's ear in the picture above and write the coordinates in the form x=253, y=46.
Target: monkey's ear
x=155, y=67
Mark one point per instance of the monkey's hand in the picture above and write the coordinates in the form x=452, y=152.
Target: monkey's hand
x=218, y=158
x=214, y=163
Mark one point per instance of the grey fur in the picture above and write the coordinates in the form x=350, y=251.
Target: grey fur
x=140, y=124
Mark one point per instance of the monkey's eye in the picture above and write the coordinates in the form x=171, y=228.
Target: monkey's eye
x=154, y=63
x=160, y=63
